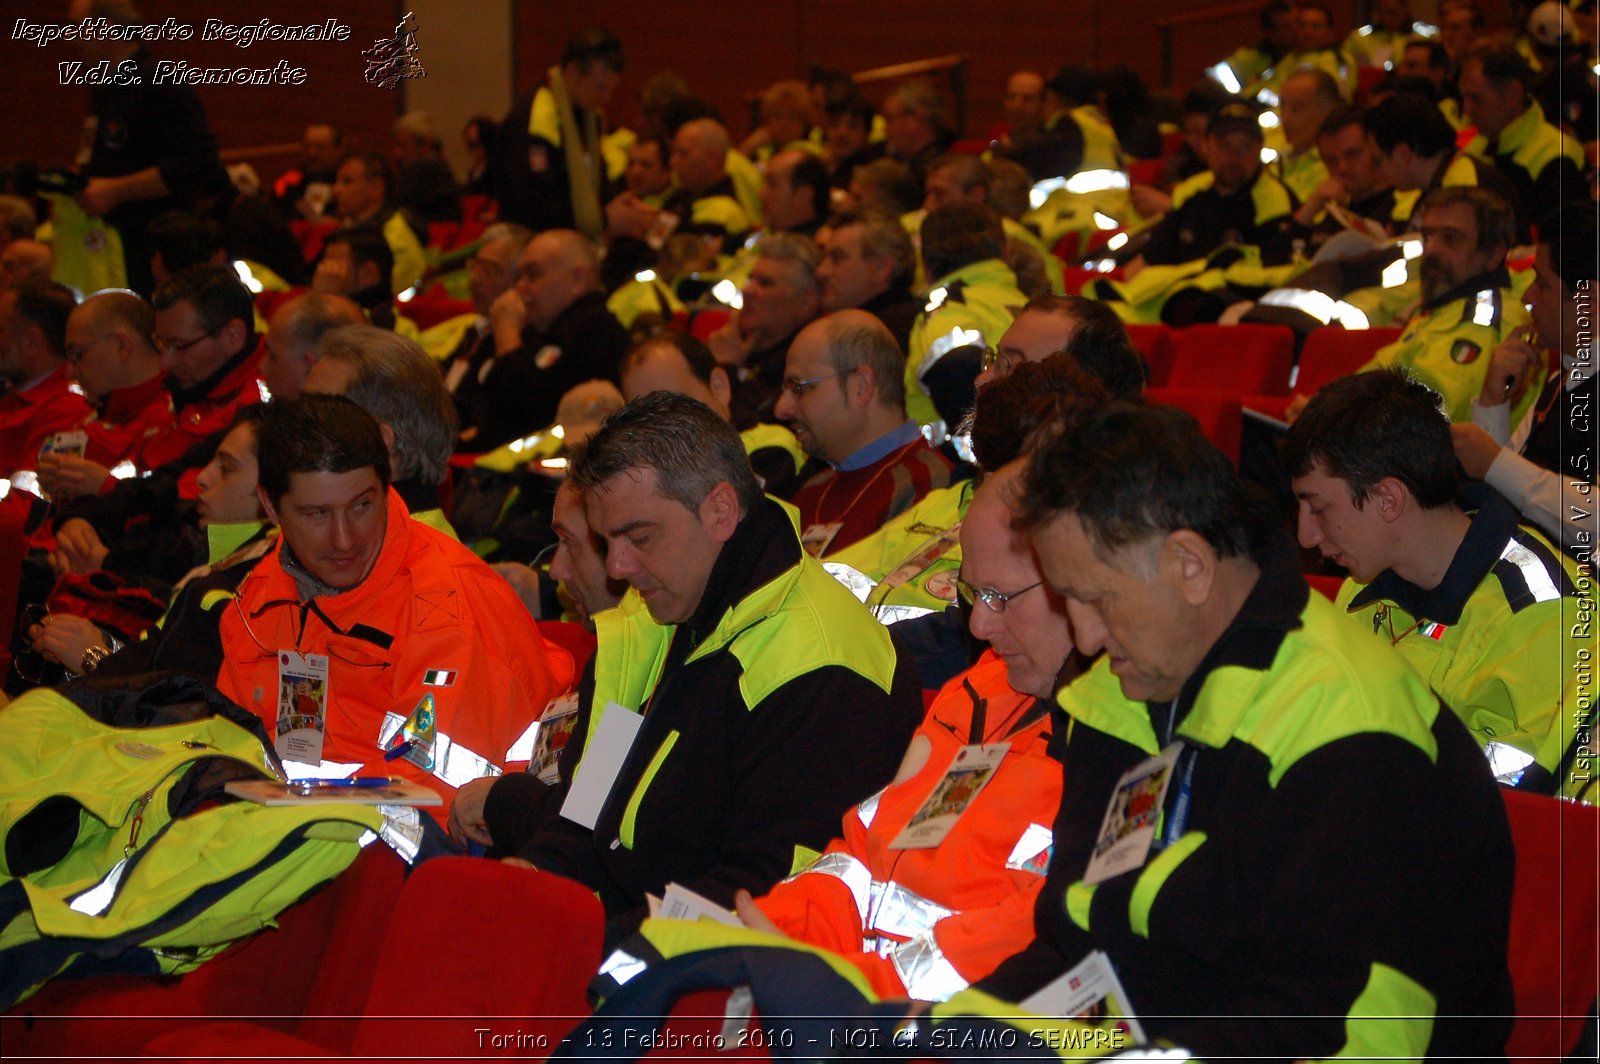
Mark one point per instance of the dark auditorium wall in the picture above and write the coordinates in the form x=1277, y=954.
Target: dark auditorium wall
x=43, y=118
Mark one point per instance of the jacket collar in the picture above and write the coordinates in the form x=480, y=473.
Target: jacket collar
x=740, y=590
x=1251, y=641
x=221, y=385
x=47, y=387
x=1489, y=281
x=1493, y=523
x=124, y=404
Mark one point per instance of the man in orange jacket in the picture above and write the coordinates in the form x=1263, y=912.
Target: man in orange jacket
x=418, y=660
x=933, y=882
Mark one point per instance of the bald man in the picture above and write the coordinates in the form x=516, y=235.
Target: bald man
x=115, y=362
x=706, y=202
x=551, y=331
x=292, y=337
x=844, y=398
x=1024, y=101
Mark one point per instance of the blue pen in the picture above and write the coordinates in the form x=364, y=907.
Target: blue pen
x=348, y=782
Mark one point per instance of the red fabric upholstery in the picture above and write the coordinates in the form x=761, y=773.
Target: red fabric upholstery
x=312, y=234
x=575, y=639
x=1147, y=172
x=280, y=973
x=1240, y=359
x=1220, y=414
x=1329, y=353
x=1555, y=906
x=470, y=940
x=1326, y=586
x=1154, y=342
x=706, y=322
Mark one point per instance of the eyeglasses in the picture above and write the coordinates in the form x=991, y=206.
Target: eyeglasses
x=797, y=386
x=184, y=345
x=995, y=600
x=478, y=262
x=999, y=363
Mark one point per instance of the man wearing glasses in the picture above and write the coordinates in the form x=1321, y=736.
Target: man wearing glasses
x=844, y=399
x=491, y=272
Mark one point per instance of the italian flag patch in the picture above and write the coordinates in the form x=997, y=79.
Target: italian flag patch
x=1434, y=630
x=439, y=678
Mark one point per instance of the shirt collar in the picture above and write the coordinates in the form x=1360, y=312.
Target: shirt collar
x=880, y=448
x=1493, y=523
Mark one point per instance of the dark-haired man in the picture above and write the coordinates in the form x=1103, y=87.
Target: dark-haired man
x=368, y=643
x=549, y=172
x=736, y=664
x=1306, y=795
x=38, y=403
x=363, y=193
x=1543, y=164
x=1545, y=466
x=1473, y=600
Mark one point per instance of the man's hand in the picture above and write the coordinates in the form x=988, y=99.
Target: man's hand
x=1475, y=449
x=1330, y=190
x=752, y=916
x=78, y=548
x=66, y=476
x=331, y=277
x=628, y=215
x=524, y=581
x=730, y=346
x=507, y=317
x=1149, y=201
x=100, y=196
x=1511, y=369
x=64, y=637
x=466, y=821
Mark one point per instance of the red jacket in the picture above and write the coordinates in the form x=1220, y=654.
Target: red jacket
x=430, y=619
x=927, y=922
x=30, y=416
x=129, y=422
x=195, y=421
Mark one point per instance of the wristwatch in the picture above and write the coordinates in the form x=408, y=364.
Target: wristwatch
x=92, y=657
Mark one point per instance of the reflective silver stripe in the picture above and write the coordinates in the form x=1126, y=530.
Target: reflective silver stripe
x=936, y=299
x=1484, y=308
x=957, y=337
x=124, y=470
x=1319, y=305
x=1226, y=77
x=849, y=871
x=1506, y=762
x=247, y=276
x=1539, y=583
x=522, y=749
x=457, y=765
x=1096, y=181
x=927, y=975
x=887, y=614
x=859, y=584
x=903, y=913
x=622, y=967
x=97, y=899
x=867, y=811
x=402, y=830
x=1036, y=839
x=453, y=763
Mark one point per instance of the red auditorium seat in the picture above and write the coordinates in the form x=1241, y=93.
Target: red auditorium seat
x=1555, y=904
x=1239, y=359
x=1220, y=414
x=304, y=965
x=1329, y=353
x=1326, y=586
x=708, y=321
x=1154, y=342
x=1147, y=172
x=472, y=944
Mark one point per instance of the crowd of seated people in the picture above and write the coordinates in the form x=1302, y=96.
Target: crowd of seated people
x=849, y=523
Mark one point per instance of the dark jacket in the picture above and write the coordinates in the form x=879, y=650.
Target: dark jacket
x=721, y=785
x=524, y=387
x=1344, y=851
